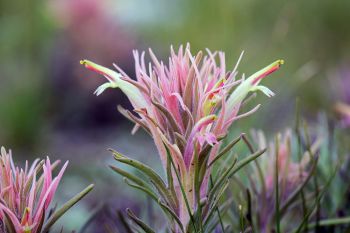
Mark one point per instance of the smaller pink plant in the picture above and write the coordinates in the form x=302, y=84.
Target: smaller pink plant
x=25, y=195
x=292, y=174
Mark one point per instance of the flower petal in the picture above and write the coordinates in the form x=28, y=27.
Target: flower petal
x=131, y=91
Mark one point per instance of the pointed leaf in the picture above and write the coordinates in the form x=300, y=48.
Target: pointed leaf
x=66, y=207
x=128, y=175
x=139, y=222
x=226, y=149
x=247, y=160
x=155, y=178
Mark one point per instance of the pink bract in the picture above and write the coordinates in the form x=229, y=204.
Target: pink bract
x=26, y=193
x=187, y=105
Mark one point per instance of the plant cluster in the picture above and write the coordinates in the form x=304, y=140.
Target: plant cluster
x=188, y=107
x=213, y=179
x=26, y=195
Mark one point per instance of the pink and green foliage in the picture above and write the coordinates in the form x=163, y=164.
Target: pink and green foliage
x=280, y=169
x=26, y=194
x=187, y=107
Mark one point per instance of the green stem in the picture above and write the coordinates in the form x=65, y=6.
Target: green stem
x=182, y=188
x=278, y=230
x=217, y=208
x=330, y=222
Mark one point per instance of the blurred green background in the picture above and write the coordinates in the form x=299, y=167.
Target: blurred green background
x=46, y=101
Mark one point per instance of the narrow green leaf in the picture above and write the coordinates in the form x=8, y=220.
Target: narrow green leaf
x=308, y=146
x=203, y=160
x=225, y=176
x=299, y=140
x=277, y=198
x=197, y=186
x=66, y=207
x=247, y=142
x=128, y=175
x=226, y=149
x=260, y=172
x=172, y=213
x=247, y=160
x=217, y=209
x=140, y=166
x=241, y=217
x=212, y=223
x=249, y=215
x=170, y=178
x=294, y=195
x=167, y=210
x=144, y=189
x=318, y=199
x=139, y=222
x=330, y=222
x=155, y=178
x=124, y=222
x=215, y=201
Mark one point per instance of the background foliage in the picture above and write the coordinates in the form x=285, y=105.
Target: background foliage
x=46, y=102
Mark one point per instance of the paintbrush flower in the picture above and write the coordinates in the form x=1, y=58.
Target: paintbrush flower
x=26, y=193
x=187, y=106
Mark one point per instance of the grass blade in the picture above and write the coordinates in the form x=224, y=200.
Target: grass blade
x=330, y=222
x=154, y=177
x=277, y=204
x=128, y=175
x=139, y=222
x=318, y=199
x=295, y=194
x=247, y=160
x=217, y=209
x=66, y=207
x=226, y=149
x=221, y=180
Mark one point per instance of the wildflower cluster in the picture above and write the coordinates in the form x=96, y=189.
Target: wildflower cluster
x=26, y=195
x=280, y=169
x=187, y=107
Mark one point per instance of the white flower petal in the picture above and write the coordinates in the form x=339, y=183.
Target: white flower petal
x=102, y=88
x=264, y=90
